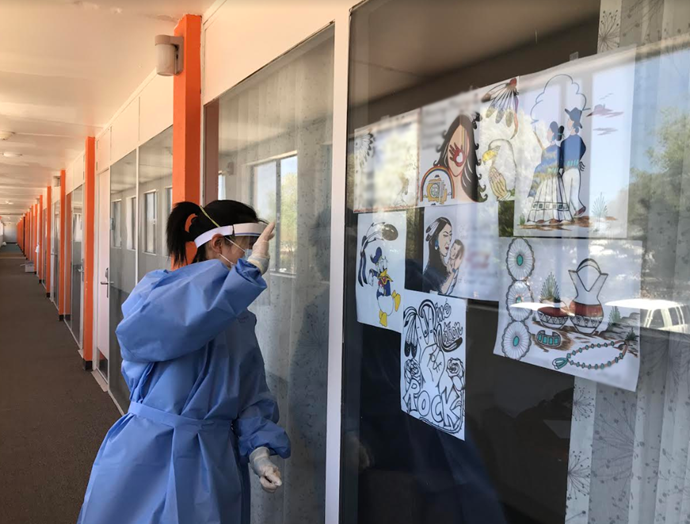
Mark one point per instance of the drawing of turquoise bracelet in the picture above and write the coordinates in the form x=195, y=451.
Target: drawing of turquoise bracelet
x=561, y=362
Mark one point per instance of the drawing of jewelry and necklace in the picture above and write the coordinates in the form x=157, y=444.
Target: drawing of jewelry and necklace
x=545, y=324
x=388, y=299
x=454, y=175
x=433, y=362
x=516, y=341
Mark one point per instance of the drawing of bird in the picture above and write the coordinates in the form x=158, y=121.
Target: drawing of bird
x=497, y=180
x=504, y=102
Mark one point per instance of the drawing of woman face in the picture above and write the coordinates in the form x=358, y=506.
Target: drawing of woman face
x=444, y=239
x=457, y=151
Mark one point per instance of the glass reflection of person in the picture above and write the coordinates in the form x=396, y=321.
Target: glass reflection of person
x=441, y=275
x=572, y=150
x=549, y=199
x=458, y=155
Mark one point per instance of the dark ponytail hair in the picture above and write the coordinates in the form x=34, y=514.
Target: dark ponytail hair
x=223, y=212
x=557, y=131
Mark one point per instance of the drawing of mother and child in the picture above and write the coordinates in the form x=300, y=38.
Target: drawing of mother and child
x=555, y=190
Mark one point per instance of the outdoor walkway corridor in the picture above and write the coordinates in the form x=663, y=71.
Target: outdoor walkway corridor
x=53, y=414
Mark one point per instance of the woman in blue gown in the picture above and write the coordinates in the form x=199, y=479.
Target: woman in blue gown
x=200, y=411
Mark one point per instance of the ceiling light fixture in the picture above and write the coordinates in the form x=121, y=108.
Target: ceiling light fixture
x=4, y=135
x=11, y=154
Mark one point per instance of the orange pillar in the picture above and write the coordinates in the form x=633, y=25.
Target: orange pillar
x=34, y=236
x=41, y=258
x=89, y=245
x=49, y=238
x=61, y=276
x=31, y=235
x=187, y=117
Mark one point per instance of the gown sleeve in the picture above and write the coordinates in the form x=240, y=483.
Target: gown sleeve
x=171, y=314
x=256, y=424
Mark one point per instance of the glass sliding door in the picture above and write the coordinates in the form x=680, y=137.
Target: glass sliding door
x=515, y=338
x=76, y=271
x=123, y=187
x=271, y=149
x=55, y=280
x=155, y=201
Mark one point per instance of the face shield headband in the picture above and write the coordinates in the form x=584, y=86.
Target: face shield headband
x=248, y=229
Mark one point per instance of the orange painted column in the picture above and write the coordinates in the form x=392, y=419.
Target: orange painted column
x=89, y=245
x=35, y=242
x=31, y=234
x=41, y=258
x=187, y=118
x=33, y=237
x=49, y=238
x=61, y=276
x=37, y=228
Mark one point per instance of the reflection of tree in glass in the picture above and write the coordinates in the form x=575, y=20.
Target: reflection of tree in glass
x=656, y=199
x=599, y=209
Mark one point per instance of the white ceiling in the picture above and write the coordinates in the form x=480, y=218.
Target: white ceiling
x=65, y=67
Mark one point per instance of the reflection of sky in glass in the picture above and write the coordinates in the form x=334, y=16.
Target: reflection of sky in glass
x=265, y=185
x=661, y=82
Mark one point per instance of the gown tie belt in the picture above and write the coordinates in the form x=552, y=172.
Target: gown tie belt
x=178, y=421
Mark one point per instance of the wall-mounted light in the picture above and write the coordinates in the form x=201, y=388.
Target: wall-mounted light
x=11, y=154
x=4, y=135
x=169, y=57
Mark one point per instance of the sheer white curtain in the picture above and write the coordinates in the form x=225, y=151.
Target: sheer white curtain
x=274, y=154
x=629, y=460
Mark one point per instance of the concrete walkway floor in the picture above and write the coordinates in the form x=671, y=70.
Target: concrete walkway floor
x=53, y=414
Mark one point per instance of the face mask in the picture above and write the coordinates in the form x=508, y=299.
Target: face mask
x=247, y=252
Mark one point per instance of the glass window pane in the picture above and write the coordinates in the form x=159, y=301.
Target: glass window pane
x=115, y=235
x=55, y=280
x=279, y=115
x=288, y=214
x=155, y=178
x=122, y=270
x=150, y=225
x=131, y=221
x=76, y=258
x=264, y=197
x=517, y=196
x=168, y=201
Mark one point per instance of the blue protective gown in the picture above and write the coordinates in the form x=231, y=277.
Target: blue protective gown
x=200, y=403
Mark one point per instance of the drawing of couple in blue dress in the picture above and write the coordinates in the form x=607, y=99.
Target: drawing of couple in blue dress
x=555, y=188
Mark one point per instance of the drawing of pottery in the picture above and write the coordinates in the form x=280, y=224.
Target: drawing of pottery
x=586, y=310
x=554, y=316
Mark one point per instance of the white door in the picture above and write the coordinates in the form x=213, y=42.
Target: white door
x=102, y=273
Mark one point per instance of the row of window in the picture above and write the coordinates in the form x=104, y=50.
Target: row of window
x=150, y=218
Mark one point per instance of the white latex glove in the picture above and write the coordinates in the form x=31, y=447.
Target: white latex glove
x=267, y=471
x=260, y=256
